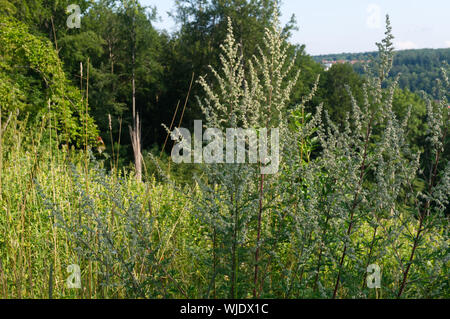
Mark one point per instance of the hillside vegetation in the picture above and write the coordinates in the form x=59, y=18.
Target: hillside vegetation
x=87, y=181
x=418, y=68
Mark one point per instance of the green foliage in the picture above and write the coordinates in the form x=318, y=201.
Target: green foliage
x=333, y=91
x=405, y=101
x=110, y=32
x=119, y=232
x=364, y=176
x=418, y=69
x=196, y=45
x=34, y=83
x=125, y=236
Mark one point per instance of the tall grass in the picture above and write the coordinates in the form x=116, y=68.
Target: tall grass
x=35, y=249
x=309, y=231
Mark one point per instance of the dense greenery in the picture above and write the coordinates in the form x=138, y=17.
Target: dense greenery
x=364, y=172
x=418, y=69
x=34, y=84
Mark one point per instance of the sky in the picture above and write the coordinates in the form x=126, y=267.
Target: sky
x=331, y=26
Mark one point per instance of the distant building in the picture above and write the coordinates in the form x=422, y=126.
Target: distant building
x=327, y=65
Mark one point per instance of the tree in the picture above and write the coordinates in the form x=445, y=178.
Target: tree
x=334, y=91
x=406, y=101
x=196, y=45
x=33, y=83
x=105, y=39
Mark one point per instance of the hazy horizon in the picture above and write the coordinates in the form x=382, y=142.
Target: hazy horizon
x=353, y=26
x=375, y=51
